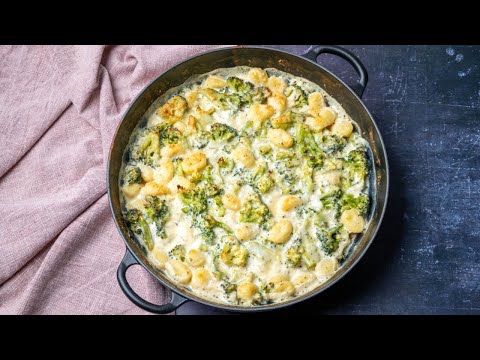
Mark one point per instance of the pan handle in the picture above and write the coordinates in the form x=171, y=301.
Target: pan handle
x=175, y=302
x=359, y=87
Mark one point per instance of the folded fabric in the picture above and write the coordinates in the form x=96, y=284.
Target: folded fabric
x=59, y=107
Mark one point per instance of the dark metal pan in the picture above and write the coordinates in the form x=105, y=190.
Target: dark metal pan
x=304, y=66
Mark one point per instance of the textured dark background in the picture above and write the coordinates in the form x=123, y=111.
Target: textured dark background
x=426, y=257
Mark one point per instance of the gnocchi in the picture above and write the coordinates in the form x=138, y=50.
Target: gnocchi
x=260, y=112
x=289, y=202
x=258, y=76
x=195, y=258
x=200, y=277
x=231, y=202
x=280, y=138
x=281, y=232
x=244, y=232
x=214, y=82
x=246, y=291
x=342, y=127
x=179, y=271
x=194, y=162
x=154, y=188
x=244, y=156
x=352, y=221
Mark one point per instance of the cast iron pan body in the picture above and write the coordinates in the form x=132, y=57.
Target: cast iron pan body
x=304, y=66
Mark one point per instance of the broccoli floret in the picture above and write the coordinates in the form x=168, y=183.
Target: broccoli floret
x=265, y=150
x=223, y=132
x=157, y=211
x=294, y=254
x=177, y=164
x=329, y=239
x=137, y=223
x=228, y=287
x=264, y=184
x=234, y=254
x=288, y=158
x=225, y=164
x=148, y=151
x=356, y=166
x=360, y=203
x=206, y=224
x=259, y=95
x=202, y=139
x=220, y=208
x=232, y=101
x=286, y=120
x=333, y=143
x=307, y=177
x=308, y=146
x=195, y=200
x=259, y=179
x=133, y=175
x=298, y=95
x=255, y=211
x=178, y=253
x=214, y=223
x=331, y=201
x=205, y=175
x=239, y=86
x=170, y=135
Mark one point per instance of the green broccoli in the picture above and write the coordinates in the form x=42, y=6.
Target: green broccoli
x=355, y=166
x=228, y=287
x=201, y=139
x=206, y=224
x=329, y=239
x=195, y=200
x=259, y=95
x=307, y=177
x=298, y=95
x=148, y=151
x=225, y=165
x=137, y=223
x=255, y=211
x=233, y=102
x=234, y=254
x=220, y=208
x=294, y=254
x=286, y=120
x=239, y=86
x=170, y=135
x=177, y=164
x=333, y=143
x=205, y=175
x=361, y=202
x=259, y=179
x=133, y=175
x=308, y=146
x=223, y=132
x=178, y=253
x=157, y=211
x=331, y=201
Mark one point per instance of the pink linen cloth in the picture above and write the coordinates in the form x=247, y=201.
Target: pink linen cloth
x=59, y=108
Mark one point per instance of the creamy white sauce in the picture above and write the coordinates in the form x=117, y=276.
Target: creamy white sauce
x=265, y=260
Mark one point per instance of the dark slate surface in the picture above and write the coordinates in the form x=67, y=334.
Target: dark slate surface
x=426, y=258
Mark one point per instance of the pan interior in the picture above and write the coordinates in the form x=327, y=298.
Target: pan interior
x=263, y=58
